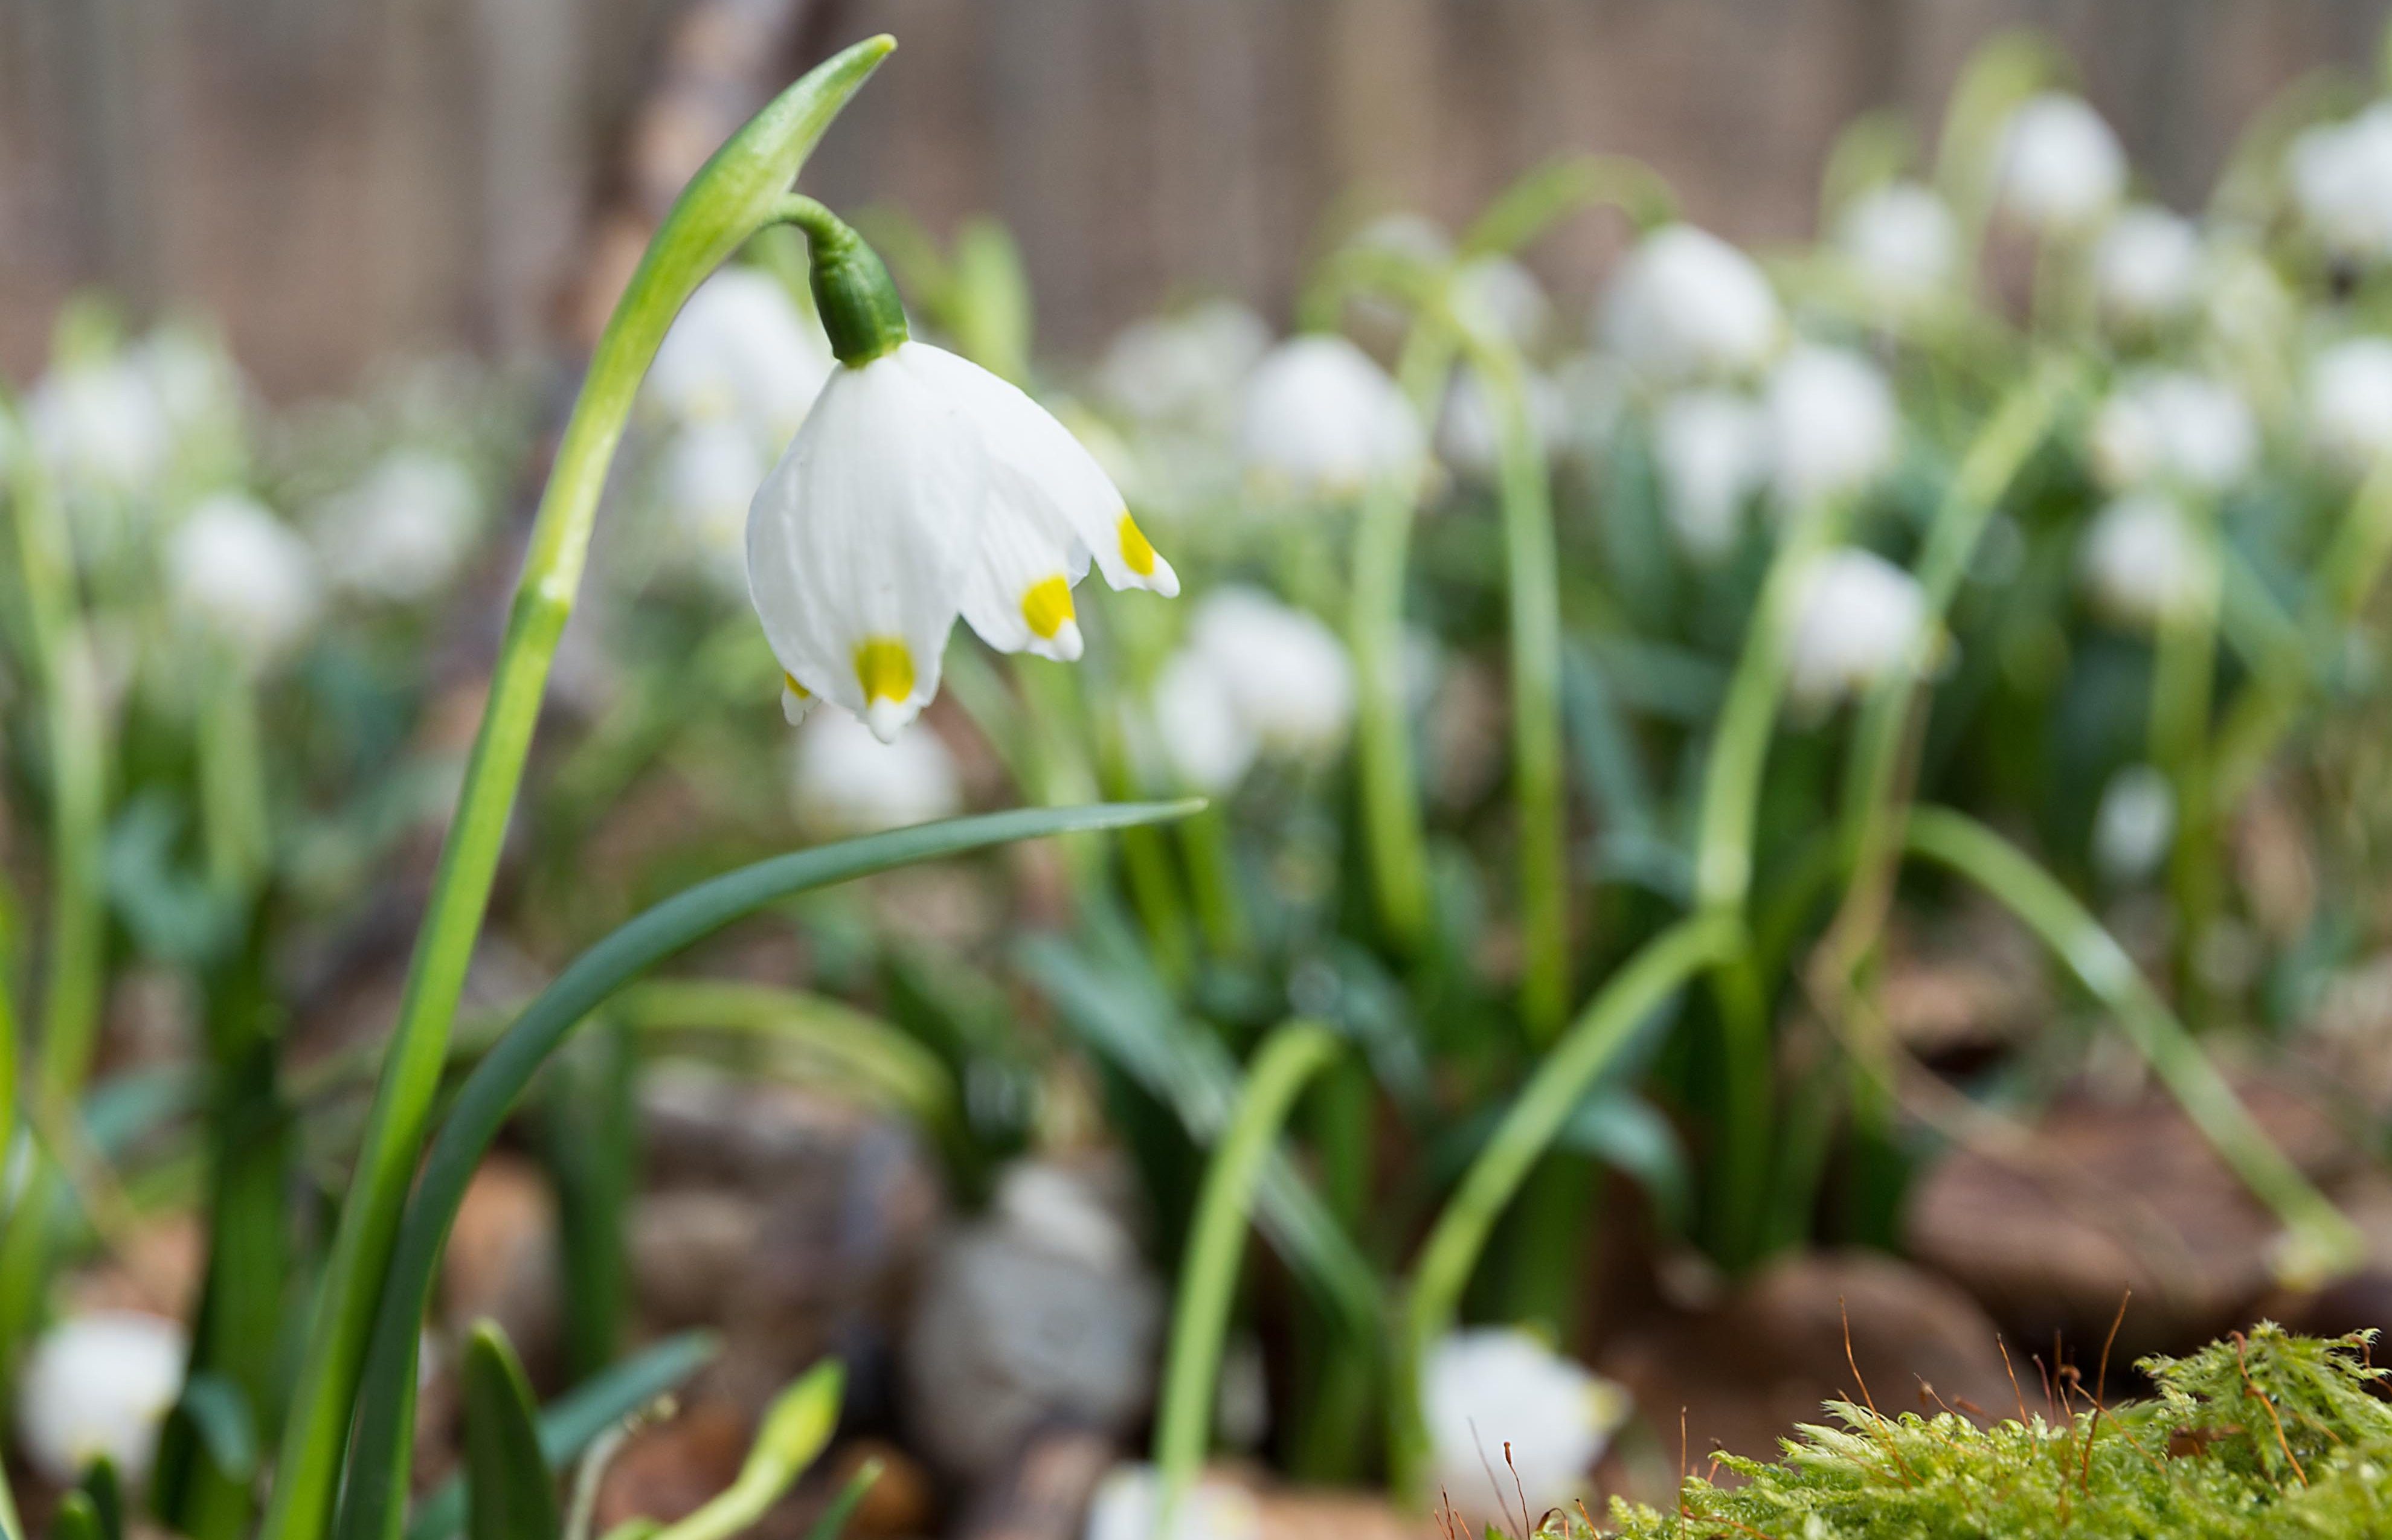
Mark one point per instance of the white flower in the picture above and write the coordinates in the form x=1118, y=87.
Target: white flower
x=1712, y=449
x=100, y=424
x=708, y=480
x=1470, y=439
x=2170, y=427
x=1322, y=420
x=1500, y=292
x=1127, y=1507
x=1489, y=1389
x=2137, y=560
x=2341, y=177
x=244, y=574
x=403, y=531
x=2060, y=167
x=1856, y=615
x=1686, y=305
x=99, y=1385
x=1902, y=236
x=2134, y=824
x=2147, y=266
x=922, y=487
x=2350, y=403
x=742, y=349
x=195, y=380
x=845, y=782
x=1184, y=366
x=1287, y=674
x=1832, y=421
x=1203, y=740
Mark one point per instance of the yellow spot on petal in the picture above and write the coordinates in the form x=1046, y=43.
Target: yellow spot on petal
x=799, y=691
x=1048, y=605
x=885, y=669
x=1137, y=551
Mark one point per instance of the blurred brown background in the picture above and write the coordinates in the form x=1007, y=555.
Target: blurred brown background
x=346, y=179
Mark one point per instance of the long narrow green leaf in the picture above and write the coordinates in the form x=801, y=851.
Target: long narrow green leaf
x=508, y=1493
x=483, y=1103
x=796, y=1430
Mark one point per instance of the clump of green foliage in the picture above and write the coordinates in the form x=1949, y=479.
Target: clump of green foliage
x=2265, y=1434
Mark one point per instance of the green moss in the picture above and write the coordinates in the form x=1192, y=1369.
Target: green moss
x=2268, y=1434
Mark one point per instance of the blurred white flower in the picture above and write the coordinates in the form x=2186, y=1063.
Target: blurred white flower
x=2341, y=177
x=1832, y=421
x=1489, y=1389
x=1507, y=295
x=2137, y=560
x=1184, y=366
x=1711, y=454
x=1321, y=419
x=845, y=782
x=2350, y=403
x=1203, y=740
x=1856, y=615
x=1468, y=437
x=98, y=1384
x=1686, y=307
x=2171, y=427
x=99, y=423
x=741, y=348
x=195, y=380
x=403, y=531
x=2134, y=824
x=1288, y=674
x=2060, y=167
x=2147, y=266
x=708, y=480
x=1127, y=1507
x=244, y=574
x=1902, y=236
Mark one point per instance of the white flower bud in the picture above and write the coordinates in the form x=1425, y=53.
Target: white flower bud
x=2147, y=267
x=1488, y=1389
x=2134, y=824
x=845, y=782
x=1322, y=420
x=244, y=574
x=1127, y=1507
x=2350, y=403
x=2341, y=177
x=742, y=349
x=2137, y=560
x=99, y=1385
x=2061, y=168
x=1184, y=368
x=2171, y=428
x=1287, y=674
x=1832, y=421
x=1711, y=454
x=403, y=531
x=1507, y=295
x=1686, y=305
x=1901, y=236
x=1856, y=616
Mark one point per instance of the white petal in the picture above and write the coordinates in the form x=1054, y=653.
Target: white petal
x=859, y=541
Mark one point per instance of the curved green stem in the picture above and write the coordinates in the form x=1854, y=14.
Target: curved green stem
x=2323, y=1243
x=1561, y=187
x=796, y=1430
x=1217, y=1244
x=1451, y=1254
x=736, y=194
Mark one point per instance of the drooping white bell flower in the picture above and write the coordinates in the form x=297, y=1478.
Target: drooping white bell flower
x=1712, y=453
x=1203, y=742
x=1288, y=674
x=921, y=488
x=2060, y=167
x=708, y=479
x=2169, y=427
x=405, y=528
x=1127, y=1506
x=1856, y=615
x=2350, y=403
x=2147, y=267
x=2138, y=560
x=1687, y=306
x=1901, y=236
x=1832, y=422
x=1184, y=368
x=742, y=349
x=195, y=380
x=99, y=424
x=2134, y=826
x=2341, y=177
x=844, y=781
x=99, y=1385
x=1492, y=1388
x=1322, y=420
x=1508, y=296
x=1470, y=439
x=244, y=575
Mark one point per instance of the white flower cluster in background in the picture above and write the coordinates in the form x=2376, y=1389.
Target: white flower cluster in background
x=404, y=531
x=1496, y=1396
x=2139, y=560
x=1686, y=307
x=1128, y=1502
x=2171, y=428
x=1855, y=616
x=1184, y=368
x=2061, y=168
x=2147, y=267
x=97, y=1386
x=245, y=575
x=1321, y=420
x=1255, y=677
x=844, y=781
x=2350, y=403
x=2341, y=177
x=1901, y=236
